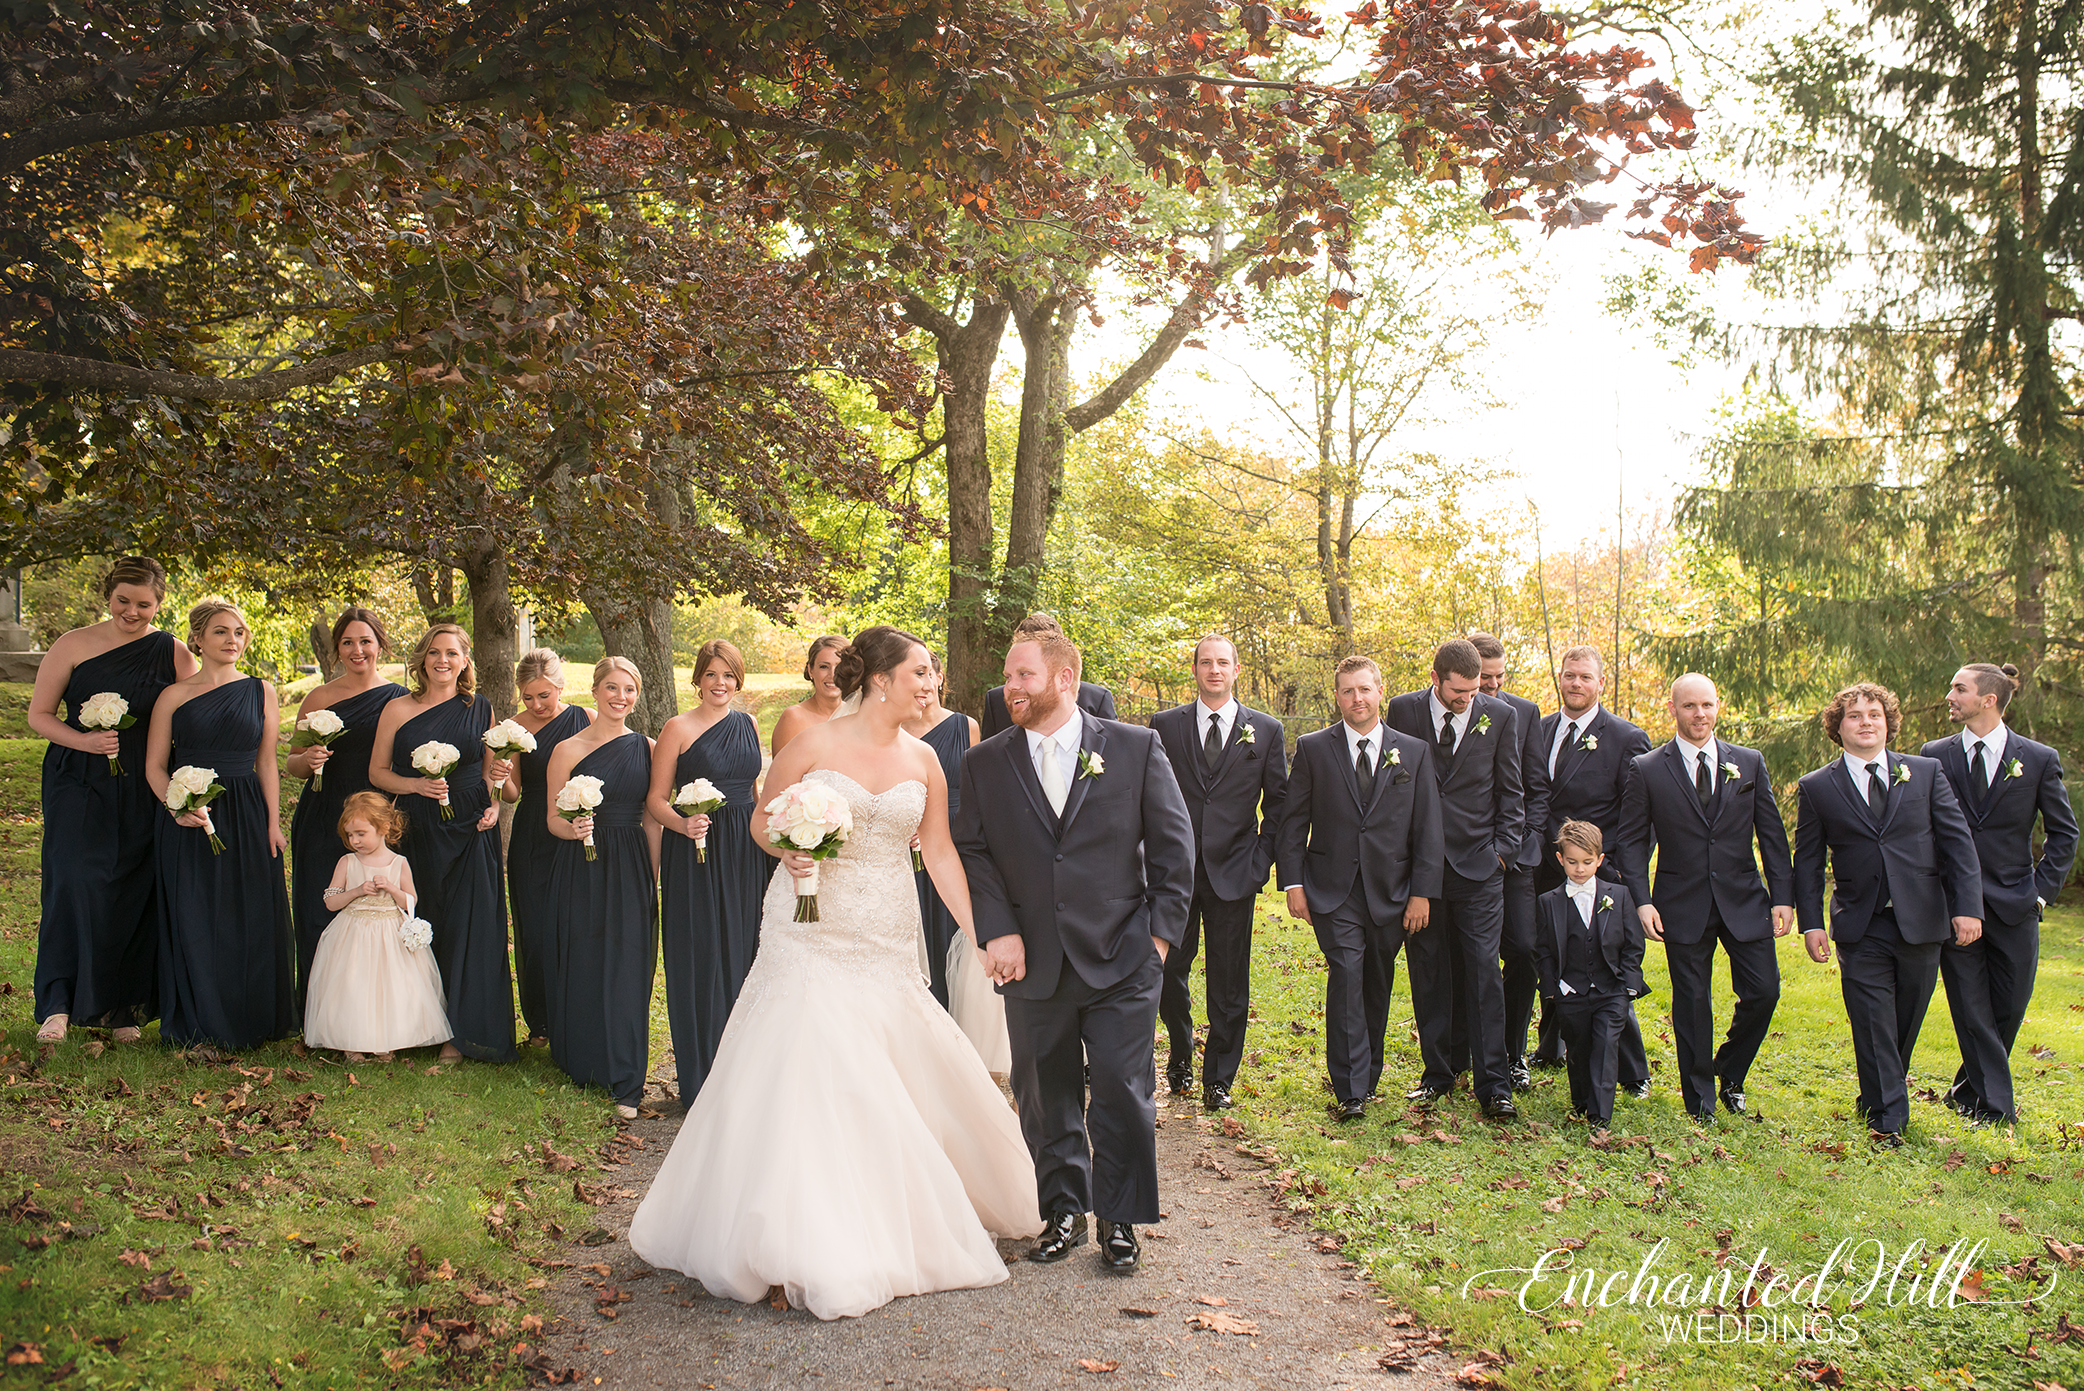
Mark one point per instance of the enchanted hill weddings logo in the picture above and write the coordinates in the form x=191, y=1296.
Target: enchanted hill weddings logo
x=1759, y=1302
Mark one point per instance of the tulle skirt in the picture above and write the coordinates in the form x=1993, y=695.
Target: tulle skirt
x=979, y=1009
x=369, y=993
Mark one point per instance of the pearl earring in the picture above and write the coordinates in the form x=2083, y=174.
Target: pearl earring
x=885, y=696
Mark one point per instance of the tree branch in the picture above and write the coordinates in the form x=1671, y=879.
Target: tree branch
x=93, y=374
x=1186, y=317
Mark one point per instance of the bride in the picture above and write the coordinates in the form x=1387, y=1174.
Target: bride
x=848, y=1144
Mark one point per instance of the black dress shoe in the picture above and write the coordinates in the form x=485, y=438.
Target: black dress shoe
x=1353, y=1110
x=1522, y=1079
x=1639, y=1090
x=1424, y=1095
x=1216, y=1098
x=1732, y=1099
x=1060, y=1233
x=1181, y=1080
x=1500, y=1108
x=1886, y=1139
x=1119, y=1250
x=1983, y=1116
x=1704, y=1119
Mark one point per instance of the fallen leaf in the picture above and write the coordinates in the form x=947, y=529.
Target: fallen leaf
x=1093, y=1364
x=1970, y=1286
x=1405, y=1185
x=136, y=1258
x=1954, y=1160
x=1214, y=1301
x=162, y=1286
x=1473, y=1375
x=24, y=1355
x=1218, y=1321
x=2068, y=1254
x=2005, y=1219
x=1556, y=1203
x=1139, y=1313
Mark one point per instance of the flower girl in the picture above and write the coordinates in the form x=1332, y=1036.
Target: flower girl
x=374, y=985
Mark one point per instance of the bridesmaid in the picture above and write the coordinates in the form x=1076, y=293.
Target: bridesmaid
x=454, y=859
x=821, y=669
x=606, y=907
x=949, y=734
x=357, y=695
x=539, y=677
x=97, y=947
x=225, y=941
x=711, y=922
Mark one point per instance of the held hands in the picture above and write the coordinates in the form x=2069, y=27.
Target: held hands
x=1006, y=958
x=1967, y=930
x=1783, y=919
x=1298, y=906
x=1653, y=922
x=1819, y=943
x=1417, y=913
x=696, y=826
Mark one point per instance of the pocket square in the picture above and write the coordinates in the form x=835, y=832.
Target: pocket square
x=1400, y=779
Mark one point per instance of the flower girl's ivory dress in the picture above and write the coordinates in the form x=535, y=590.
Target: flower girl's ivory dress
x=369, y=992
x=848, y=1144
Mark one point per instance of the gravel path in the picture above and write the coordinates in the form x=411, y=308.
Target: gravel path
x=1225, y=1252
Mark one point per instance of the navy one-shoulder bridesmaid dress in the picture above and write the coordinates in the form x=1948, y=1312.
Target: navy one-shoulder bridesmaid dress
x=530, y=852
x=314, y=832
x=97, y=947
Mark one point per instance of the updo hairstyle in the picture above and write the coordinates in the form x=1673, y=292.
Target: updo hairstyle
x=135, y=569
x=875, y=651
x=810, y=659
x=199, y=620
x=623, y=664
x=2000, y=681
x=539, y=664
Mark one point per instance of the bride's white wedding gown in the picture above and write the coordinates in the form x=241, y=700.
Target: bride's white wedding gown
x=848, y=1145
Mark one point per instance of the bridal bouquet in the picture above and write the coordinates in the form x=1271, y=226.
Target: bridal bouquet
x=508, y=740
x=320, y=728
x=815, y=820
x=699, y=797
x=438, y=760
x=415, y=933
x=578, y=798
x=107, y=711
x=193, y=789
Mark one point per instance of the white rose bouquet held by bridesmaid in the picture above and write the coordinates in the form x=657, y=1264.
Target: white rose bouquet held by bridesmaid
x=508, y=741
x=580, y=797
x=107, y=711
x=815, y=820
x=189, y=788
x=317, y=730
x=438, y=760
x=698, y=798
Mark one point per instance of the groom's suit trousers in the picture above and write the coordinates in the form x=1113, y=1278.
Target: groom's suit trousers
x=1096, y=1154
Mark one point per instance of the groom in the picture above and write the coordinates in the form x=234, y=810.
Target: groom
x=1080, y=857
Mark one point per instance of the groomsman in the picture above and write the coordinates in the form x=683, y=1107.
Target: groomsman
x=1587, y=749
x=1702, y=803
x=1476, y=757
x=1522, y=976
x=2003, y=780
x=1360, y=854
x=1094, y=700
x=1232, y=765
x=1887, y=822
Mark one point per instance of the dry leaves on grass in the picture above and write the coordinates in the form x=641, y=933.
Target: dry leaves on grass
x=553, y=1161
x=1819, y=1372
x=24, y=1355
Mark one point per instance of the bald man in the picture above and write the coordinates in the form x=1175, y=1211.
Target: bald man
x=1702, y=803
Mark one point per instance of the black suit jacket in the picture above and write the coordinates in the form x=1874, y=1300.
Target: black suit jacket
x=1590, y=774
x=1617, y=929
x=1237, y=809
x=1328, y=838
x=1704, y=854
x=1534, y=778
x=1483, y=811
x=2003, y=825
x=1920, y=848
x=1092, y=887
x=1094, y=700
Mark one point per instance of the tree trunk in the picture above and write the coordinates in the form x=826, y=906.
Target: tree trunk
x=323, y=654
x=640, y=629
x=495, y=625
x=1045, y=325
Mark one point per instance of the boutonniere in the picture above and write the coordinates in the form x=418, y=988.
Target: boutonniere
x=1247, y=735
x=1902, y=772
x=1606, y=901
x=1090, y=763
x=1396, y=756
x=1590, y=741
x=1483, y=724
x=2015, y=769
x=1731, y=769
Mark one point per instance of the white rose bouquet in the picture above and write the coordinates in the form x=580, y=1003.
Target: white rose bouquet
x=438, y=760
x=415, y=933
x=317, y=729
x=698, y=798
x=193, y=789
x=107, y=711
x=508, y=741
x=577, y=798
x=816, y=821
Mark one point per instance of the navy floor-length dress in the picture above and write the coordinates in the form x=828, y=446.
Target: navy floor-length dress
x=607, y=931
x=711, y=918
x=530, y=852
x=225, y=941
x=456, y=868
x=314, y=832
x=950, y=740
x=97, y=947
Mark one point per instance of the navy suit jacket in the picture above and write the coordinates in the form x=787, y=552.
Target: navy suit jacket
x=1534, y=778
x=2003, y=825
x=1483, y=812
x=1919, y=854
x=1094, y=700
x=1091, y=887
x=1329, y=838
x=1237, y=809
x=1704, y=854
x=1591, y=774
x=1618, y=931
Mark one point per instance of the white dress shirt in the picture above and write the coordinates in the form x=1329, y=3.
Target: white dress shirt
x=1375, y=738
x=1064, y=744
x=1691, y=754
x=1580, y=899
x=1993, y=750
x=1226, y=720
x=1438, y=712
x=1567, y=731
x=1857, y=766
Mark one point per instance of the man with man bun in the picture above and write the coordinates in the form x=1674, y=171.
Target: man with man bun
x=2003, y=781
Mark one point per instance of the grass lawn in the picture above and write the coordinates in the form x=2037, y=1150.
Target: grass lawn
x=1448, y=1212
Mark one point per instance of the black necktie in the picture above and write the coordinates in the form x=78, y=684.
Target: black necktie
x=1364, y=773
x=1877, y=791
x=1978, y=776
x=1447, y=735
x=1703, y=779
x=1212, y=747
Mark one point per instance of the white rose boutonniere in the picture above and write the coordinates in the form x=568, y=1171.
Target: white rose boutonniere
x=1483, y=724
x=1902, y=772
x=1091, y=764
x=2015, y=769
x=1590, y=741
x=1396, y=756
x=1731, y=769
x=1606, y=901
x=1247, y=735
